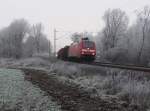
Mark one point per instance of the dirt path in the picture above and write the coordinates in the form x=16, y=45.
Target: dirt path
x=71, y=98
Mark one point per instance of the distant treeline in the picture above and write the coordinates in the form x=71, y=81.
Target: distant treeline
x=20, y=39
x=117, y=42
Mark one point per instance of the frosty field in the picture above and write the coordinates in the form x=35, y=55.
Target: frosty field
x=123, y=86
x=16, y=94
x=125, y=89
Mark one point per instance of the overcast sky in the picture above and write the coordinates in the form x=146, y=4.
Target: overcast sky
x=65, y=15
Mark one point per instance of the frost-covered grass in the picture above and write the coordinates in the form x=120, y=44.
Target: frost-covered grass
x=66, y=68
x=130, y=86
x=34, y=62
x=17, y=94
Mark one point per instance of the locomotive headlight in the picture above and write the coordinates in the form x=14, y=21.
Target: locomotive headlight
x=92, y=51
x=84, y=50
x=93, y=54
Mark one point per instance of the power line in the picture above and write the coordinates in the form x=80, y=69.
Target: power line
x=55, y=38
x=62, y=36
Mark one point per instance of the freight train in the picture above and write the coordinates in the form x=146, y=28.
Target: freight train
x=84, y=50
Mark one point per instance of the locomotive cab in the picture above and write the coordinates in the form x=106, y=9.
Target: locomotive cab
x=88, y=50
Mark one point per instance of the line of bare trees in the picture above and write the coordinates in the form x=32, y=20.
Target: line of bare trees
x=20, y=39
x=121, y=43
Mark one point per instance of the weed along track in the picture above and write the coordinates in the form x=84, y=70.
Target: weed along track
x=70, y=97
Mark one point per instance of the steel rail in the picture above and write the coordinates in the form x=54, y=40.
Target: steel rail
x=120, y=66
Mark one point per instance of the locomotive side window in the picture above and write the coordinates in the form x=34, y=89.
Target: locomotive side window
x=88, y=44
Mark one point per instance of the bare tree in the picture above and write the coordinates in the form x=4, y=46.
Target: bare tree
x=144, y=21
x=116, y=23
x=12, y=38
x=42, y=44
x=133, y=42
x=5, y=43
x=29, y=47
x=17, y=32
x=19, y=39
x=37, y=31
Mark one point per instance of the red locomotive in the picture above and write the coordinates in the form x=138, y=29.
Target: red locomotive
x=83, y=50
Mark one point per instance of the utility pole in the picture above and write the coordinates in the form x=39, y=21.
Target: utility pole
x=49, y=48
x=55, y=42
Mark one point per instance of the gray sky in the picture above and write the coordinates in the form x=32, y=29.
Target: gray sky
x=65, y=15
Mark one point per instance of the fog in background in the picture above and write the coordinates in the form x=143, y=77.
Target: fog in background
x=120, y=29
x=68, y=15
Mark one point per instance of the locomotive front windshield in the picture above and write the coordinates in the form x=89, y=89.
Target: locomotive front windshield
x=88, y=44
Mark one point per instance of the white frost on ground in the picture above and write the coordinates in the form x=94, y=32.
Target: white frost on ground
x=99, y=81
x=17, y=94
x=107, y=83
x=34, y=63
x=65, y=68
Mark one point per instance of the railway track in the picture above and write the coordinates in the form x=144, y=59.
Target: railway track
x=110, y=65
x=128, y=67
